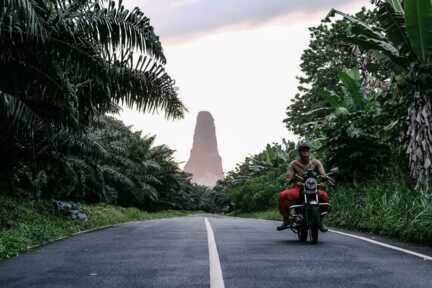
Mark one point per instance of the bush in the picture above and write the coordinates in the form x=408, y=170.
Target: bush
x=255, y=194
x=389, y=208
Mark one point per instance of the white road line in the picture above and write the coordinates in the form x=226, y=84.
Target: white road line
x=216, y=278
x=422, y=256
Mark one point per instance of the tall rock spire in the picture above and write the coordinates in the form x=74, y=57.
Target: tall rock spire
x=204, y=163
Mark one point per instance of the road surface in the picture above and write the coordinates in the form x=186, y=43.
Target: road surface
x=175, y=253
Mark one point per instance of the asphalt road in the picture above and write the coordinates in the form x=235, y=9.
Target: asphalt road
x=174, y=253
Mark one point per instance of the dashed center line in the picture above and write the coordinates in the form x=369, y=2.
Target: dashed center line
x=216, y=277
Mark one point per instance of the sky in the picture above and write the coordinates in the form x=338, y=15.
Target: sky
x=237, y=59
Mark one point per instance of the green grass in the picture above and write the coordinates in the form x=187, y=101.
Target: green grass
x=389, y=209
x=25, y=223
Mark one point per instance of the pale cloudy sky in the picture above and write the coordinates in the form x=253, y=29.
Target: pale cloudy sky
x=237, y=59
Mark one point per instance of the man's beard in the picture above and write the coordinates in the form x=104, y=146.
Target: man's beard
x=304, y=158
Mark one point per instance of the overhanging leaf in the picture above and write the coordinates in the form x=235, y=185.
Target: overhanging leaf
x=418, y=18
x=392, y=19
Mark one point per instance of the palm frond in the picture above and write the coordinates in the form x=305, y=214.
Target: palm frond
x=113, y=176
x=16, y=114
x=144, y=86
x=22, y=18
x=117, y=28
x=78, y=143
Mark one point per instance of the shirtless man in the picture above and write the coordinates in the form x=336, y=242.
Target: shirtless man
x=292, y=195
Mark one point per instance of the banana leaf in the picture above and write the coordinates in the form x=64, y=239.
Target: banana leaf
x=418, y=19
x=368, y=37
x=331, y=98
x=392, y=19
x=352, y=82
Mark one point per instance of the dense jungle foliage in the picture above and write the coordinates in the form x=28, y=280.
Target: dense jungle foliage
x=364, y=103
x=65, y=65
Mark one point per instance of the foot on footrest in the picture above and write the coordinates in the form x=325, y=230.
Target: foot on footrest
x=323, y=228
x=282, y=227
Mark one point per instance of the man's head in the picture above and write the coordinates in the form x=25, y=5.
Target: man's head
x=304, y=150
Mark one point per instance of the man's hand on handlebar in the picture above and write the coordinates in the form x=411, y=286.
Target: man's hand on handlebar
x=330, y=180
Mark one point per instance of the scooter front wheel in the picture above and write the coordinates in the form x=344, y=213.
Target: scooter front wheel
x=315, y=222
x=302, y=233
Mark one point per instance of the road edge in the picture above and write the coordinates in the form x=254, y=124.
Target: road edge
x=69, y=236
x=95, y=229
x=404, y=245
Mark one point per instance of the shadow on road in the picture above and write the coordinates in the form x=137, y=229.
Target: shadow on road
x=294, y=242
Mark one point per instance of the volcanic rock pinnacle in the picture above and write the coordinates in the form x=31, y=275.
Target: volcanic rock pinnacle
x=204, y=163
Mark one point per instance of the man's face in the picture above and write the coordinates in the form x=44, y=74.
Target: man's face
x=304, y=153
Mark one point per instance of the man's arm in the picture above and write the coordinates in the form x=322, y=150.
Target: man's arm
x=324, y=174
x=320, y=168
x=290, y=173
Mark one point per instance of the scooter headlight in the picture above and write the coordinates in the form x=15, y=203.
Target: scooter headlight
x=311, y=185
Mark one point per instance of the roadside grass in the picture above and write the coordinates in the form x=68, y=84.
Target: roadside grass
x=384, y=208
x=26, y=223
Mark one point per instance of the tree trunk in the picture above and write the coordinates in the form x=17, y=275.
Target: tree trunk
x=420, y=140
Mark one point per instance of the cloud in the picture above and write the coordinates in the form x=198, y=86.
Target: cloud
x=179, y=18
x=182, y=3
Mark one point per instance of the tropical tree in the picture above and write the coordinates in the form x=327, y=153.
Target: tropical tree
x=64, y=61
x=63, y=64
x=404, y=36
x=321, y=64
x=108, y=163
x=352, y=135
x=275, y=157
x=255, y=183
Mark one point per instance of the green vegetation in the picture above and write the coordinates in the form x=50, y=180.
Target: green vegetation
x=254, y=184
x=65, y=66
x=364, y=103
x=390, y=209
x=27, y=223
x=403, y=37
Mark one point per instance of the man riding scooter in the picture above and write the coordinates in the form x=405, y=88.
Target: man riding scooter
x=291, y=195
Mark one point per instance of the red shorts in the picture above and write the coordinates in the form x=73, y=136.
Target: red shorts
x=292, y=196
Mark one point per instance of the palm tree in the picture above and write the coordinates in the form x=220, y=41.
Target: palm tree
x=108, y=163
x=64, y=61
x=405, y=38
